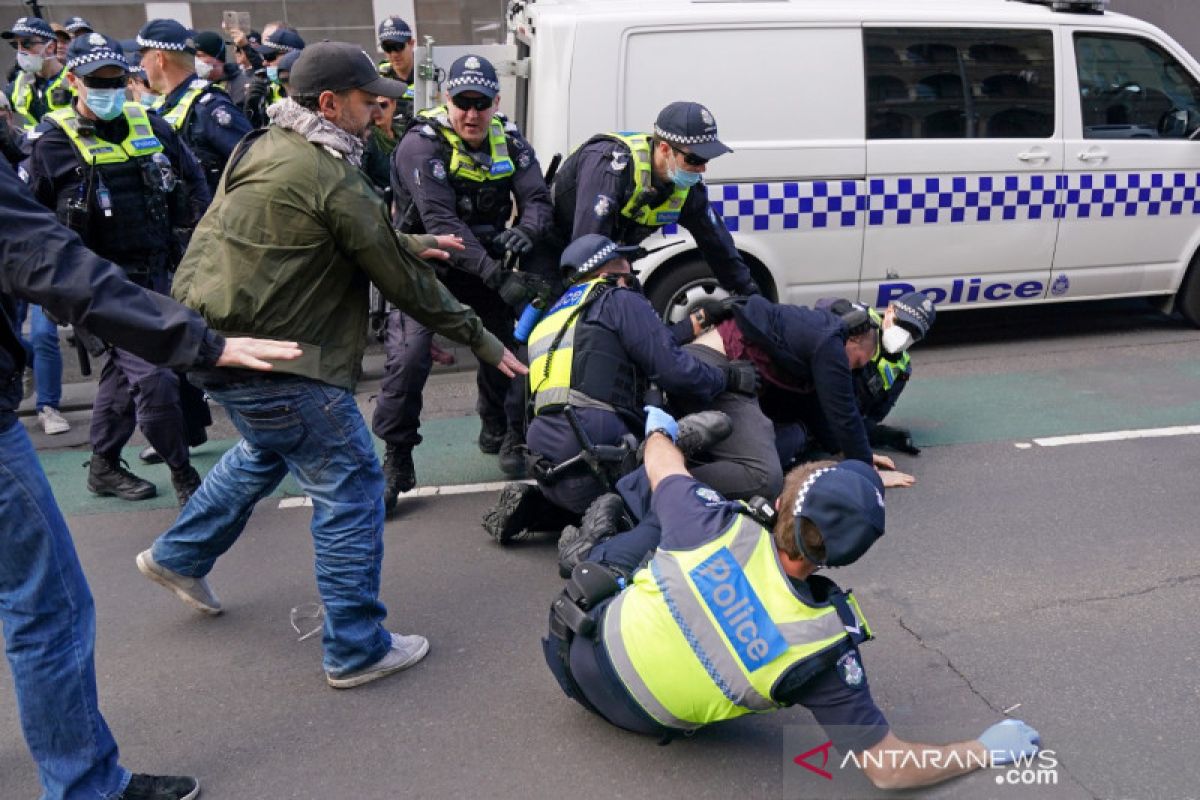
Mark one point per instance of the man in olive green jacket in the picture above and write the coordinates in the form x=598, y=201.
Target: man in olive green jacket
x=287, y=251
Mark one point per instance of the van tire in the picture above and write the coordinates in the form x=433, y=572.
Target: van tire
x=676, y=287
x=1188, y=298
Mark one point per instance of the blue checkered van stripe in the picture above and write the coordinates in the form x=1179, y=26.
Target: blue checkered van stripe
x=972, y=199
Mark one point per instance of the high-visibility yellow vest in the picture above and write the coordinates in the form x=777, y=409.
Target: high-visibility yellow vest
x=178, y=114
x=24, y=88
x=703, y=635
x=462, y=165
x=636, y=207
x=92, y=150
x=889, y=368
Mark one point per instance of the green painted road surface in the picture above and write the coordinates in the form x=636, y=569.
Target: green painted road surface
x=1015, y=406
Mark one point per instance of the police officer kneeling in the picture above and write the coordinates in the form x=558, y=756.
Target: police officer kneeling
x=729, y=618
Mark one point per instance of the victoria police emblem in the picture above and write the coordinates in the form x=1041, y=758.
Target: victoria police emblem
x=437, y=169
x=603, y=206
x=850, y=670
x=1060, y=286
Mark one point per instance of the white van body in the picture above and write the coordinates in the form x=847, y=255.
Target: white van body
x=986, y=152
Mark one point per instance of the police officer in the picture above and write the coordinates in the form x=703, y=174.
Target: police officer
x=729, y=618
x=212, y=66
x=265, y=88
x=626, y=186
x=41, y=84
x=77, y=26
x=590, y=360
x=458, y=170
x=123, y=180
x=878, y=385
x=204, y=116
x=396, y=42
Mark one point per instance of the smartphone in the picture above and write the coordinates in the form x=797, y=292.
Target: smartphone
x=236, y=20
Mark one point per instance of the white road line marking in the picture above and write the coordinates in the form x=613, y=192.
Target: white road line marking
x=1022, y=445
x=1117, y=436
x=421, y=491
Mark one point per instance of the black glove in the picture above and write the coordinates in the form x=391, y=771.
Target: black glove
x=256, y=91
x=895, y=438
x=713, y=311
x=742, y=377
x=517, y=288
x=515, y=241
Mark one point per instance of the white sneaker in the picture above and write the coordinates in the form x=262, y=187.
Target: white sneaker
x=406, y=651
x=52, y=421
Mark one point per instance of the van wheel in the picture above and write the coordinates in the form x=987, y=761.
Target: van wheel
x=1188, y=299
x=677, y=288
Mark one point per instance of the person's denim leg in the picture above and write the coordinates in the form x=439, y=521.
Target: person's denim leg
x=316, y=432
x=47, y=358
x=49, y=634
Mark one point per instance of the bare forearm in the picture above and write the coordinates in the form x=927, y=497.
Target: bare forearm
x=662, y=459
x=896, y=764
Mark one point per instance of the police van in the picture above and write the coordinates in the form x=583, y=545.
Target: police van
x=986, y=152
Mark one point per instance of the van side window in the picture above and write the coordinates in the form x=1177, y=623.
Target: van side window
x=1130, y=88
x=956, y=83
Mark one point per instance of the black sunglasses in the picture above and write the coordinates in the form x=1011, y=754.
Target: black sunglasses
x=467, y=103
x=394, y=47
x=690, y=159
x=106, y=83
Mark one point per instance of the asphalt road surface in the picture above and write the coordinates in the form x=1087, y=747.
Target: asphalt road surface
x=1057, y=579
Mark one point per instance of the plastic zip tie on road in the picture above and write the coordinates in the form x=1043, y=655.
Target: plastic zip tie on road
x=423, y=491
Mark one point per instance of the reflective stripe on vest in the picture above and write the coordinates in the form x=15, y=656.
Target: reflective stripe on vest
x=22, y=97
x=462, y=165
x=550, y=363
x=888, y=369
x=178, y=115
x=139, y=142
x=702, y=636
x=636, y=208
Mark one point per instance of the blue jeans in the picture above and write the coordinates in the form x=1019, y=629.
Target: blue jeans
x=44, y=354
x=49, y=634
x=316, y=432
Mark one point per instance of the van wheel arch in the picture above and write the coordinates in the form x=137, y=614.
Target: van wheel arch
x=678, y=283
x=1187, y=300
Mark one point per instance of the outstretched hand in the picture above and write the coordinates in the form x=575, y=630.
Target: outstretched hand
x=445, y=244
x=511, y=366
x=893, y=479
x=243, y=351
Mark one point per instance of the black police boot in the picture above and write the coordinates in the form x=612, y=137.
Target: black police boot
x=698, y=432
x=491, y=437
x=605, y=517
x=514, y=513
x=512, y=454
x=186, y=481
x=160, y=787
x=399, y=473
x=110, y=477
x=149, y=455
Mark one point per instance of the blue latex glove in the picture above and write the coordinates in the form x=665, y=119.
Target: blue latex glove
x=1009, y=740
x=659, y=420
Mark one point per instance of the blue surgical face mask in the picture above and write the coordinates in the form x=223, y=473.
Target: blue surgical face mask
x=682, y=177
x=106, y=103
x=147, y=100
x=273, y=74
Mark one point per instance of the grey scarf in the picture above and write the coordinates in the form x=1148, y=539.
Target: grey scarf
x=290, y=115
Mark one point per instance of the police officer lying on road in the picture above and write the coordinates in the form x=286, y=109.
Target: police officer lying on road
x=124, y=181
x=459, y=170
x=805, y=358
x=878, y=385
x=627, y=186
x=729, y=618
x=591, y=359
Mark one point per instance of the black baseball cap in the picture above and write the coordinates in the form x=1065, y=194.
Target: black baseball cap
x=692, y=128
x=211, y=44
x=336, y=67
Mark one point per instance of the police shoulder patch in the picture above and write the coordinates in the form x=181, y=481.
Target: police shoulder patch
x=437, y=169
x=603, y=206
x=222, y=116
x=524, y=159
x=620, y=160
x=709, y=496
x=850, y=670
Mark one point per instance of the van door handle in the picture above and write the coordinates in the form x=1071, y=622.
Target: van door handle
x=1093, y=155
x=1034, y=155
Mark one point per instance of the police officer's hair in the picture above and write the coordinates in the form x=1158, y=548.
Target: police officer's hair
x=784, y=534
x=868, y=338
x=180, y=59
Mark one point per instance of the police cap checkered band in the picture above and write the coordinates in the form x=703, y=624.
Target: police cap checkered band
x=282, y=40
x=77, y=24
x=678, y=138
x=90, y=52
x=30, y=26
x=802, y=495
x=472, y=80
x=916, y=312
x=690, y=125
x=100, y=54
x=394, y=29
x=589, y=253
x=471, y=73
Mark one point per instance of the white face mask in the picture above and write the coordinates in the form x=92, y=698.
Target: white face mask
x=203, y=69
x=896, y=340
x=29, y=62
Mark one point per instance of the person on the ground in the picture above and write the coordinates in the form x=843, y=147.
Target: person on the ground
x=592, y=357
x=46, y=607
x=287, y=250
x=203, y=115
x=462, y=169
x=124, y=181
x=729, y=618
x=627, y=186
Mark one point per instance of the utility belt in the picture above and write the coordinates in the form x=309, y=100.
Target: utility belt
x=590, y=585
x=608, y=463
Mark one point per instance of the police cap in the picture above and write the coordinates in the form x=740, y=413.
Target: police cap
x=690, y=127
x=92, y=51
x=846, y=504
x=589, y=253
x=471, y=73
x=394, y=29
x=167, y=34
x=29, y=26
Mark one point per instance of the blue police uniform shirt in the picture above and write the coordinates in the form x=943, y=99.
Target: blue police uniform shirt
x=691, y=515
x=215, y=123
